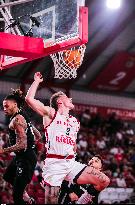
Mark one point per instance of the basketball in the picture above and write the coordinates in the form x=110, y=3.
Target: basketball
x=72, y=58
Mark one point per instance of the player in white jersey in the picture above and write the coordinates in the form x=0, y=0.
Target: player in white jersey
x=61, y=133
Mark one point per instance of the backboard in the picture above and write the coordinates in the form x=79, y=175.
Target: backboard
x=42, y=27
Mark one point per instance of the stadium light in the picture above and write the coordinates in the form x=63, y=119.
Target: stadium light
x=113, y=4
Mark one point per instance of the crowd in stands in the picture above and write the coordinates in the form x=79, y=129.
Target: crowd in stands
x=109, y=137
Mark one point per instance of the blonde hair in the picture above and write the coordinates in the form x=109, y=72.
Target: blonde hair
x=53, y=99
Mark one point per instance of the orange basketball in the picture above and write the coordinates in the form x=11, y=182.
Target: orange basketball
x=72, y=58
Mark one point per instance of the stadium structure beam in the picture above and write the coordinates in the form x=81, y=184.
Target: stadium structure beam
x=3, y=5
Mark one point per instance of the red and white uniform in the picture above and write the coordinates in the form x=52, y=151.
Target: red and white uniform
x=61, y=137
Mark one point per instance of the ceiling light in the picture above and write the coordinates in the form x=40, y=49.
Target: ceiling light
x=113, y=4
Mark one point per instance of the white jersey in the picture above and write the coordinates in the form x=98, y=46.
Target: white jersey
x=61, y=135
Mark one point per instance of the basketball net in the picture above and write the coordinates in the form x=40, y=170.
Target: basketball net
x=67, y=62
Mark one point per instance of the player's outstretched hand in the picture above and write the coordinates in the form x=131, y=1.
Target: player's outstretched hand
x=38, y=77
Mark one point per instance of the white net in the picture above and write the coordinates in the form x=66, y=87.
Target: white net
x=67, y=62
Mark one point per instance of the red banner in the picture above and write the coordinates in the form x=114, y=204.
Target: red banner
x=117, y=75
x=105, y=111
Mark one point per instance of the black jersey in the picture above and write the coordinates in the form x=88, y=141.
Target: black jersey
x=29, y=133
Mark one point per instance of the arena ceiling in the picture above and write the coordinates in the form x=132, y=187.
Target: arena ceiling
x=109, y=61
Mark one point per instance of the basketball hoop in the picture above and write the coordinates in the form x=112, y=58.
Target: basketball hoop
x=67, y=62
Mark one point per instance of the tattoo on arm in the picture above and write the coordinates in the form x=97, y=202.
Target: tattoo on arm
x=99, y=174
x=20, y=126
x=19, y=122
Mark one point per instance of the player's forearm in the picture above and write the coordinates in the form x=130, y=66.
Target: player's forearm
x=37, y=134
x=32, y=91
x=15, y=148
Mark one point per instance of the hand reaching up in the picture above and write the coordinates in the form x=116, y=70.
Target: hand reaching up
x=38, y=77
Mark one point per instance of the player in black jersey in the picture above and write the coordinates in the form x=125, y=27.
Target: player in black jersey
x=21, y=139
x=72, y=193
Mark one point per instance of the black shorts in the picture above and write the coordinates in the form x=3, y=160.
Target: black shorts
x=22, y=167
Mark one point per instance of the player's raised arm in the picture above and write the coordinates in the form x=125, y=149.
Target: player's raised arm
x=30, y=97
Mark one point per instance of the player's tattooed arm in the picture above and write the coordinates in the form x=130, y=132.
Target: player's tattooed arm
x=19, y=125
x=99, y=175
